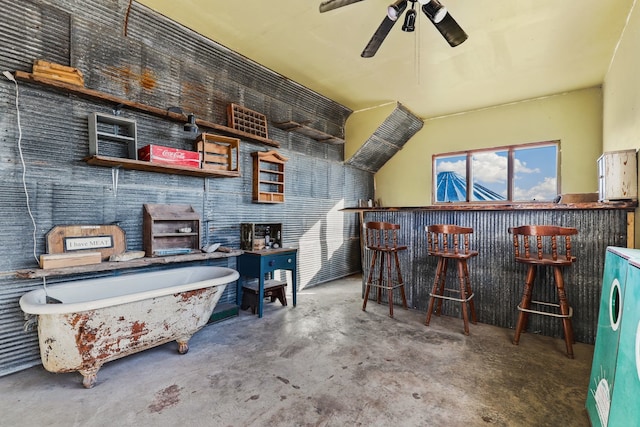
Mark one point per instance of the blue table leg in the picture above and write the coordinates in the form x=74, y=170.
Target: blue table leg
x=295, y=286
x=260, y=295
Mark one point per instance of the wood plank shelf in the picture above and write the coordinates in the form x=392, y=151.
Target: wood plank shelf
x=34, y=273
x=91, y=94
x=115, y=162
x=291, y=126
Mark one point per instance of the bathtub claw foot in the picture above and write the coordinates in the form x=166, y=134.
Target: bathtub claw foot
x=89, y=377
x=183, y=346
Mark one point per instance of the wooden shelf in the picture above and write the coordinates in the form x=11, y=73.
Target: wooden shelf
x=159, y=112
x=268, y=177
x=161, y=229
x=140, y=165
x=303, y=129
x=35, y=273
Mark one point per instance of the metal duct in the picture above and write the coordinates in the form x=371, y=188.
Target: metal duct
x=387, y=140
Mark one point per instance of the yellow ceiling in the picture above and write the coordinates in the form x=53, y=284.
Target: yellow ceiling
x=517, y=49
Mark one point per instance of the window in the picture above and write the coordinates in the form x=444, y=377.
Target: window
x=522, y=173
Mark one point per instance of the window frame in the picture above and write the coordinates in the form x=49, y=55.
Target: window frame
x=510, y=149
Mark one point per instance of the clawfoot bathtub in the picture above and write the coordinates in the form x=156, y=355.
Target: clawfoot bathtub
x=99, y=320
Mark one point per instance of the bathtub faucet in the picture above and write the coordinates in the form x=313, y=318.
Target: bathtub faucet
x=31, y=322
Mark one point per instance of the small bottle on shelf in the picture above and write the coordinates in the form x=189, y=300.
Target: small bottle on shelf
x=267, y=237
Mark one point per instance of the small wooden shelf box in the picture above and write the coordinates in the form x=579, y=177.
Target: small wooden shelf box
x=170, y=230
x=268, y=177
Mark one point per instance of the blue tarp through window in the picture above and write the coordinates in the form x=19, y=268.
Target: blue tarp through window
x=452, y=187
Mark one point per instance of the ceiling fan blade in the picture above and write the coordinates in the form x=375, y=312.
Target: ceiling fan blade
x=378, y=37
x=449, y=28
x=334, y=4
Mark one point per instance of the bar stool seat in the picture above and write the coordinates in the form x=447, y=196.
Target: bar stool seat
x=544, y=252
x=381, y=238
x=451, y=242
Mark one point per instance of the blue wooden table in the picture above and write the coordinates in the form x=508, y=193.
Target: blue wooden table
x=258, y=264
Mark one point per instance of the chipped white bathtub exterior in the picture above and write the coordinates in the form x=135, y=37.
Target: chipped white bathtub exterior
x=108, y=318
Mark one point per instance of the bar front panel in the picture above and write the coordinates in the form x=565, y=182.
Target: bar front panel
x=496, y=278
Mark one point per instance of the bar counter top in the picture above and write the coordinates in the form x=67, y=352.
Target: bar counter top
x=623, y=205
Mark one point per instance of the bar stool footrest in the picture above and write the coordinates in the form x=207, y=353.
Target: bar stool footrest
x=546, y=313
x=452, y=298
x=375, y=284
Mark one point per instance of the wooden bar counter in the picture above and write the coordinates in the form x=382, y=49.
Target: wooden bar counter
x=498, y=280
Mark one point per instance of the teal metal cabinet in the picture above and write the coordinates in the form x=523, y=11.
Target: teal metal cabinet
x=616, y=343
x=258, y=264
x=625, y=405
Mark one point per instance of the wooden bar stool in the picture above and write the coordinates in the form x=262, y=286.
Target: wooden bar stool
x=382, y=239
x=447, y=242
x=545, y=252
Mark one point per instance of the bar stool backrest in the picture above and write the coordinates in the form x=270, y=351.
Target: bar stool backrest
x=545, y=239
x=382, y=236
x=449, y=240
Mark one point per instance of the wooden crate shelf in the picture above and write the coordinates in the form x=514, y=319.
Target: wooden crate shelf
x=218, y=152
x=164, y=230
x=268, y=177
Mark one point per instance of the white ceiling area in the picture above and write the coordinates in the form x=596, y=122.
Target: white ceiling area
x=516, y=50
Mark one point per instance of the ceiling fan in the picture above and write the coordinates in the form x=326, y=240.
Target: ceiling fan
x=433, y=9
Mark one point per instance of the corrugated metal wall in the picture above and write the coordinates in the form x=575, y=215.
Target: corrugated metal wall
x=161, y=64
x=497, y=280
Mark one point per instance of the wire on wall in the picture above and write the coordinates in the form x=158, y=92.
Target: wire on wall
x=9, y=76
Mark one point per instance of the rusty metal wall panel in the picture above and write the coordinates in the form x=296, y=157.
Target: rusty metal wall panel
x=385, y=142
x=497, y=279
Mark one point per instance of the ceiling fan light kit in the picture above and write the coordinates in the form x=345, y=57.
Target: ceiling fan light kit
x=410, y=21
x=395, y=10
x=433, y=9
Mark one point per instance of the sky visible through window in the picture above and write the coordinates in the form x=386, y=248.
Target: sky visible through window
x=535, y=171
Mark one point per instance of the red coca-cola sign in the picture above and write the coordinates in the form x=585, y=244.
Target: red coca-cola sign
x=169, y=156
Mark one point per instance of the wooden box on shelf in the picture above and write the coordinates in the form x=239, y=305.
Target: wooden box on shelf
x=268, y=177
x=255, y=237
x=170, y=229
x=218, y=152
x=618, y=176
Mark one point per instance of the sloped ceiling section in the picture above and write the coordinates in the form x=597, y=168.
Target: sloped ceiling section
x=387, y=140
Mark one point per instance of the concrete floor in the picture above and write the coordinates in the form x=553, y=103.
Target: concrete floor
x=324, y=363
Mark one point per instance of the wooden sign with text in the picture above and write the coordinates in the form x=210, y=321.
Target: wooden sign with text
x=106, y=239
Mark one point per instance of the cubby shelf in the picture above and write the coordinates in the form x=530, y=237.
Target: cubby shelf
x=268, y=177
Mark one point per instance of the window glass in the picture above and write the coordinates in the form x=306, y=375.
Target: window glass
x=515, y=173
x=535, y=173
x=451, y=178
x=490, y=175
